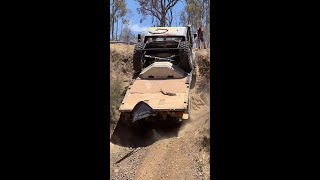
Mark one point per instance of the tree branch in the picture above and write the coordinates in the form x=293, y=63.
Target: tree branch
x=172, y=2
x=162, y=5
x=169, y=18
x=155, y=6
x=152, y=13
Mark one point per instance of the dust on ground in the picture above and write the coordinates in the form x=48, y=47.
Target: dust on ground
x=181, y=152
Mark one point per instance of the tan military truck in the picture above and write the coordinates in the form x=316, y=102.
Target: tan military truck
x=165, y=66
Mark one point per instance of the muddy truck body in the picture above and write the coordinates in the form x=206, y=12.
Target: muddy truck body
x=164, y=65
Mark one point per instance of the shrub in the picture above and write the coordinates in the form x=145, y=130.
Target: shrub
x=116, y=95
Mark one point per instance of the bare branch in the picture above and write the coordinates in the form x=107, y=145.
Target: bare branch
x=170, y=18
x=151, y=11
x=162, y=5
x=155, y=6
x=173, y=2
x=159, y=9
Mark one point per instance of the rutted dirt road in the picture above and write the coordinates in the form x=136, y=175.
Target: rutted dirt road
x=177, y=153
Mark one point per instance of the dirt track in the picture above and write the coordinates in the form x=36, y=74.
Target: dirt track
x=181, y=152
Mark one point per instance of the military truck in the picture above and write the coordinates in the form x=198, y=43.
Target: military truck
x=164, y=65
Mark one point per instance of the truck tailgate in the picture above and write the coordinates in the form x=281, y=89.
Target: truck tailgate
x=167, y=94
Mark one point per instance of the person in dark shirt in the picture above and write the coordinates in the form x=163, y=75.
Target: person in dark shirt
x=200, y=38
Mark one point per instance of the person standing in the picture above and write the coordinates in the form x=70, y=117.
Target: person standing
x=200, y=38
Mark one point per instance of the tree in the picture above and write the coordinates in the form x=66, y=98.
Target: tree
x=159, y=10
x=197, y=13
x=191, y=14
x=126, y=34
x=118, y=10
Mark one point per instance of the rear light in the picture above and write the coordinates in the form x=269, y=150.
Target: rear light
x=179, y=113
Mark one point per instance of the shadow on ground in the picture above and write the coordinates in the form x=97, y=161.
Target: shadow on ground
x=131, y=136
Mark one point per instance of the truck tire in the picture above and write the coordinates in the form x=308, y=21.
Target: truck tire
x=185, y=61
x=137, y=57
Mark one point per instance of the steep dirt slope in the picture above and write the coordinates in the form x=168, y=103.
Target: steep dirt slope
x=121, y=61
x=121, y=72
x=178, y=153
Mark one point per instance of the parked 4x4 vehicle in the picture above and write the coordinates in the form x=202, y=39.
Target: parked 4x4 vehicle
x=164, y=64
x=173, y=43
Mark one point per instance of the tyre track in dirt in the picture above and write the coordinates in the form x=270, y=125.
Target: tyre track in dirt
x=165, y=154
x=167, y=158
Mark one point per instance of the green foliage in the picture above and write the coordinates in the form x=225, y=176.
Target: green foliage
x=116, y=91
x=116, y=96
x=118, y=10
x=191, y=14
x=159, y=10
x=197, y=13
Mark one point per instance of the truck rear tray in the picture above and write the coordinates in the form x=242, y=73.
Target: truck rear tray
x=159, y=94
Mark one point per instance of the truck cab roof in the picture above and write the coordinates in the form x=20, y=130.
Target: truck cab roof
x=167, y=31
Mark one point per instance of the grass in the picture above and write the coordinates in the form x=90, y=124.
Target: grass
x=116, y=91
x=116, y=95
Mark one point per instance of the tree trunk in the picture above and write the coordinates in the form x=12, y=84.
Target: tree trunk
x=163, y=18
x=112, y=28
x=121, y=29
x=117, y=29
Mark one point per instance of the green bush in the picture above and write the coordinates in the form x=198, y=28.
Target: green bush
x=116, y=95
x=116, y=90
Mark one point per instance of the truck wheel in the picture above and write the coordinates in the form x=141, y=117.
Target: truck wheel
x=185, y=61
x=137, y=57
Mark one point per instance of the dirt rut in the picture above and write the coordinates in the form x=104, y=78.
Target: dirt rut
x=174, y=153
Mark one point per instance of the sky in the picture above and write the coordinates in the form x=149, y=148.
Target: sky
x=137, y=27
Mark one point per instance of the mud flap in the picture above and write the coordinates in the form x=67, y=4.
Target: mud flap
x=142, y=110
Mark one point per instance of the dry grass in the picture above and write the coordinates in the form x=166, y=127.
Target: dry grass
x=120, y=72
x=116, y=95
